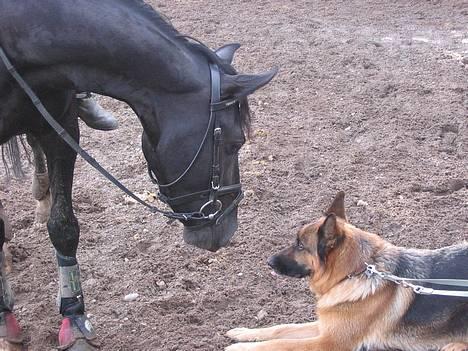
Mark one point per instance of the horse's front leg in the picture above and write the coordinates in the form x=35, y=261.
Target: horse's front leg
x=76, y=332
x=40, y=182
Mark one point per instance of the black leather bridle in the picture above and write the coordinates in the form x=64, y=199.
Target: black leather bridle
x=211, y=194
x=216, y=188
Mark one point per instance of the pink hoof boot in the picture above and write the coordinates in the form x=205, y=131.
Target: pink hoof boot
x=10, y=333
x=77, y=334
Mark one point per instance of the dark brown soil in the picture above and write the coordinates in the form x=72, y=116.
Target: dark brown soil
x=372, y=98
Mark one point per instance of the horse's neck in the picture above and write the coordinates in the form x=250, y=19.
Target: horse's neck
x=107, y=47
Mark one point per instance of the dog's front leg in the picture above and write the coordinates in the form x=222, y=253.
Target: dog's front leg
x=456, y=347
x=313, y=344
x=284, y=331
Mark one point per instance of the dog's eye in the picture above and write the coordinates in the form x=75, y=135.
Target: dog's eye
x=300, y=245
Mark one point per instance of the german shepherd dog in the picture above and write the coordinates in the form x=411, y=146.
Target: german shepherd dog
x=360, y=312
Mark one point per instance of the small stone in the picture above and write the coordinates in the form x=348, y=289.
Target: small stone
x=91, y=282
x=131, y=297
x=465, y=60
x=457, y=184
x=240, y=274
x=249, y=193
x=362, y=203
x=129, y=200
x=161, y=284
x=347, y=128
x=261, y=314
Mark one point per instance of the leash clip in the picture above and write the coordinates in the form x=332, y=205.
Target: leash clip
x=371, y=271
x=421, y=290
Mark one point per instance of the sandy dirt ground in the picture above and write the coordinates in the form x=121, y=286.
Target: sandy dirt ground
x=371, y=98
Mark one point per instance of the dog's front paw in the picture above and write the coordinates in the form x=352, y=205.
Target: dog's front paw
x=455, y=347
x=243, y=346
x=242, y=334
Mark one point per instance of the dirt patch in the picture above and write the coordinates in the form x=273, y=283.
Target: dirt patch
x=372, y=98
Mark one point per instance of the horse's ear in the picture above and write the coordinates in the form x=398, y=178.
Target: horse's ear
x=337, y=207
x=240, y=85
x=226, y=52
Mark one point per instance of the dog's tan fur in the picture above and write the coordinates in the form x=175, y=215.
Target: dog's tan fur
x=352, y=312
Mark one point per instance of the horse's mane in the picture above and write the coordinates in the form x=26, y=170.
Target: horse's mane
x=168, y=30
x=159, y=19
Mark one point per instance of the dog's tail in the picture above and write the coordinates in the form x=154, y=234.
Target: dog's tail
x=12, y=159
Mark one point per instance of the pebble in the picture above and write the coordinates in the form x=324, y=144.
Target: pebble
x=161, y=284
x=129, y=200
x=362, y=203
x=131, y=297
x=261, y=314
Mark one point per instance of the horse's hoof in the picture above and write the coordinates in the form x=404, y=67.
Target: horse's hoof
x=77, y=334
x=10, y=333
x=80, y=345
x=40, y=185
x=43, y=209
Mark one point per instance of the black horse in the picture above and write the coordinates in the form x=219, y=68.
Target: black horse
x=125, y=50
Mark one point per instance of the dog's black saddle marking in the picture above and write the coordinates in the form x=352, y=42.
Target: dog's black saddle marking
x=448, y=315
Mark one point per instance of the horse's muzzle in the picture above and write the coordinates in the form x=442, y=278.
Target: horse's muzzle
x=212, y=236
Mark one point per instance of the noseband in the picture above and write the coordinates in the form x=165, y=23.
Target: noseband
x=216, y=188
x=212, y=194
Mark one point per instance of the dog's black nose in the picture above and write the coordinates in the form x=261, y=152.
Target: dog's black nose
x=272, y=261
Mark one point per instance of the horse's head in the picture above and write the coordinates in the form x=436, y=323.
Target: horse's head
x=195, y=156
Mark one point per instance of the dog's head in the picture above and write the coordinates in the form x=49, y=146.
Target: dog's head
x=316, y=244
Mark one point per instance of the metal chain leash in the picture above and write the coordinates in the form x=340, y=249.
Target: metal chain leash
x=371, y=271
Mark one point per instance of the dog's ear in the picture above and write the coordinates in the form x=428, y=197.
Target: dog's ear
x=337, y=206
x=329, y=237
